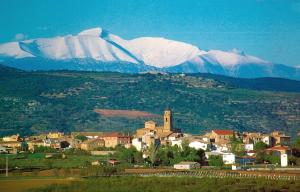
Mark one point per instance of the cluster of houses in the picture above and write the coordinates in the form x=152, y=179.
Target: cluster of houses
x=216, y=142
x=59, y=141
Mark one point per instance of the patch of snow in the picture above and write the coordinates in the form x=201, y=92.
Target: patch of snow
x=80, y=46
x=232, y=58
x=92, y=32
x=13, y=49
x=160, y=52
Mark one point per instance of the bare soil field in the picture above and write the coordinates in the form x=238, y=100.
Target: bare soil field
x=125, y=113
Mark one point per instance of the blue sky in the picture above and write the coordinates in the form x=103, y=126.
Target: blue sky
x=269, y=29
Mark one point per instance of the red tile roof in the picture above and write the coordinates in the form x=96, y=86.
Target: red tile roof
x=223, y=132
x=276, y=148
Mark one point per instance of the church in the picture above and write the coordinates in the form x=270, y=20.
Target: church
x=151, y=132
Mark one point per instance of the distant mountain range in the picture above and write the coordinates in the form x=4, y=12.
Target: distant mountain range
x=98, y=50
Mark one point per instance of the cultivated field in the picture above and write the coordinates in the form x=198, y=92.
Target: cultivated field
x=173, y=184
x=125, y=113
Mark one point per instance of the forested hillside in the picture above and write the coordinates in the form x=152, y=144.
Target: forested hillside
x=34, y=102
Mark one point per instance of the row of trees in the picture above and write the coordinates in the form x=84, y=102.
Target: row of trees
x=160, y=155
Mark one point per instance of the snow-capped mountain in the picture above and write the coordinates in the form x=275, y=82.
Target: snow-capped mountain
x=97, y=49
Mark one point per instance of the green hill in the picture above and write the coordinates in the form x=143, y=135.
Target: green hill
x=35, y=102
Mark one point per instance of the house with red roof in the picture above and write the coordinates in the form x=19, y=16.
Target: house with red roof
x=279, y=150
x=221, y=136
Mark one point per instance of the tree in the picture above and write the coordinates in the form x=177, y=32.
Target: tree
x=191, y=155
x=81, y=137
x=130, y=155
x=296, y=143
x=170, y=155
x=273, y=158
x=201, y=155
x=215, y=160
x=24, y=146
x=259, y=146
x=237, y=146
x=260, y=157
x=138, y=157
x=42, y=149
x=153, y=149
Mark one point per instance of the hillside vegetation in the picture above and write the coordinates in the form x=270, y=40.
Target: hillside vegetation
x=35, y=102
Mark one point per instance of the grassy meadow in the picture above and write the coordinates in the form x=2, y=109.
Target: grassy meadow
x=39, y=160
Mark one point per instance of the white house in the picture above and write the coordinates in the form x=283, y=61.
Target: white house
x=249, y=147
x=187, y=165
x=235, y=167
x=210, y=153
x=137, y=143
x=267, y=140
x=174, y=136
x=284, y=160
x=198, y=145
x=221, y=148
x=177, y=142
x=228, y=158
x=3, y=150
x=206, y=139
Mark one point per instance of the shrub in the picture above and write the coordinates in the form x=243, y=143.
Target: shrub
x=42, y=149
x=215, y=160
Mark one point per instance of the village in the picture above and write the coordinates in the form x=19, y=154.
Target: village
x=219, y=147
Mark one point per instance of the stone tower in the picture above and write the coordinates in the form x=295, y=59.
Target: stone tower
x=168, y=120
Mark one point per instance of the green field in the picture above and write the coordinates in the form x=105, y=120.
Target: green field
x=171, y=184
x=38, y=160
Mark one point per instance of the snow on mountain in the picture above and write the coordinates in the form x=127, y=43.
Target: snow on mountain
x=92, y=32
x=97, y=49
x=100, y=45
x=13, y=49
x=85, y=45
x=155, y=51
x=232, y=58
x=160, y=52
x=103, y=46
x=236, y=64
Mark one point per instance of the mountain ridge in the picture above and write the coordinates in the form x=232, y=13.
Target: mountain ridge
x=102, y=48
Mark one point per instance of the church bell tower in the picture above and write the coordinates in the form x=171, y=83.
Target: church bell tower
x=168, y=120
